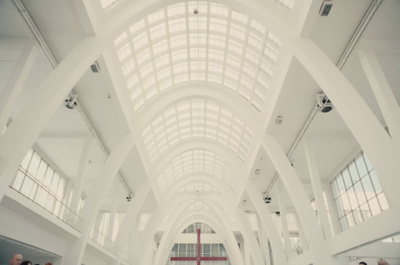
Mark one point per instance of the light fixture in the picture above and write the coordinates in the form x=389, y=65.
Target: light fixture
x=323, y=103
x=267, y=199
x=95, y=67
x=325, y=8
x=129, y=197
x=195, y=11
x=70, y=103
x=278, y=120
x=257, y=171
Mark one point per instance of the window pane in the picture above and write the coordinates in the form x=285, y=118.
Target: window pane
x=339, y=207
x=368, y=163
x=27, y=186
x=41, y=171
x=354, y=173
x=360, y=193
x=375, y=182
x=48, y=177
x=365, y=211
x=340, y=184
x=350, y=220
x=362, y=169
x=358, y=217
x=343, y=223
x=33, y=166
x=352, y=198
x=18, y=180
x=374, y=205
x=27, y=159
x=383, y=201
x=346, y=178
x=334, y=189
x=369, y=191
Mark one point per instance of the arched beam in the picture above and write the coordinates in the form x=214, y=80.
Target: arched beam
x=207, y=91
x=208, y=218
x=233, y=161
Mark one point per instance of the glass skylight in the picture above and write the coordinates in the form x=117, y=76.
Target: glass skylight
x=197, y=162
x=218, y=45
x=197, y=118
x=198, y=187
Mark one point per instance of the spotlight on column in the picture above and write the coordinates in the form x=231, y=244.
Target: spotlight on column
x=324, y=104
x=129, y=197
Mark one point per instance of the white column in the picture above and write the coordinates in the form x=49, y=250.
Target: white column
x=263, y=242
x=16, y=82
x=382, y=91
x=80, y=177
x=267, y=223
x=31, y=120
x=76, y=250
x=302, y=235
x=332, y=209
x=294, y=188
x=285, y=228
x=317, y=189
x=113, y=215
x=133, y=213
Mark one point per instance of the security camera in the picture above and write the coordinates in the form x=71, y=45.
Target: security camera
x=267, y=199
x=323, y=103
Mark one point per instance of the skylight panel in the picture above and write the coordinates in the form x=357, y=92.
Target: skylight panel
x=144, y=71
x=197, y=23
x=160, y=47
x=218, y=25
x=217, y=41
x=179, y=55
x=128, y=68
x=121, y=38
x=162, y=61
x=181, y=79
x=177, y=25
x=158, y=31
x=216, y=9
x=163, y=74
x=124, y=52
x=197, y=39
x=237, y=31
x=239, y=16
x=140, y=40
x=135, y=28
x=258, y=27
x=132, y=81
x=178, y=41
x=156, y=16
x=175, y=10
x=213, y=67
x=181, y=119
x=235, y=46
x=255, y=41
x=143, y=56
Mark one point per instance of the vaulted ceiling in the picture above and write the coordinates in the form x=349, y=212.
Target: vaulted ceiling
x=199, y=84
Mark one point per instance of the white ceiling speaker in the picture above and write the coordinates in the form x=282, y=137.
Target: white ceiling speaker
x=323, y=103
x=70, y=103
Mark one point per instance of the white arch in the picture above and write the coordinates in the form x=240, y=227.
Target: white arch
x=233, y=160
x=211, y=91
x=230, y=246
